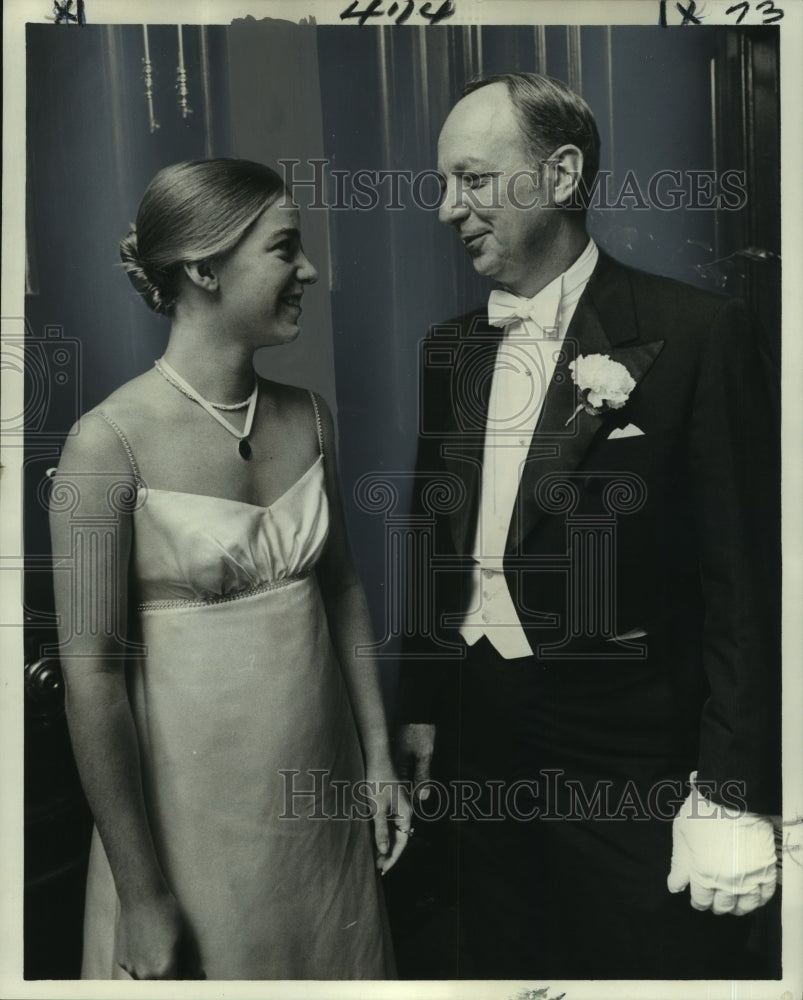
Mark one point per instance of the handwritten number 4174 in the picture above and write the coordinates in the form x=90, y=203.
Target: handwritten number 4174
x=770, y=15
x=401, y=10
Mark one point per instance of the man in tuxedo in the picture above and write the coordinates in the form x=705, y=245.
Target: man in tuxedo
x=598, y=468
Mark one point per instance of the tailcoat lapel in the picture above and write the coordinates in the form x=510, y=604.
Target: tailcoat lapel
x=604, y=322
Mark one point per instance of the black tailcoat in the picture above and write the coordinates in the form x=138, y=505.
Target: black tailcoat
x=673, y=532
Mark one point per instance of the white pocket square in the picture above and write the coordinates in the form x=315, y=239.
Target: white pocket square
x=625, y=432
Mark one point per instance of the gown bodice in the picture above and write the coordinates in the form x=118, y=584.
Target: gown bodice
x=189, y=547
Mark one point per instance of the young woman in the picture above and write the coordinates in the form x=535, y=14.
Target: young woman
x=221, y=717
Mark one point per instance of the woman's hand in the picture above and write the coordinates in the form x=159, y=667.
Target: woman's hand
x=154, y=940
x=393, y=816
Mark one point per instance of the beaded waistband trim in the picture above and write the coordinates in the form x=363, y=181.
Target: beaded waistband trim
x=240, y=595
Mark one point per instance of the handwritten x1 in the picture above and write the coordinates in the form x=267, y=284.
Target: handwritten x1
x=689, y=16
x=63, y=15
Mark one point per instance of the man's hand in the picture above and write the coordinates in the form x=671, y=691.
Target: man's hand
x=415, y=743
x=727, y=858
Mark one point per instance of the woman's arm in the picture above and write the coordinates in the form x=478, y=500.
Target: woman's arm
x=350, y=629
x=91, y=601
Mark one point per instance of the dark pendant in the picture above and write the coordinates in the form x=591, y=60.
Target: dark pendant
x=244, y=449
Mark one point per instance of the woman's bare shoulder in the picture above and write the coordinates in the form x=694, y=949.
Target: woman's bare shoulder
x=302, y=412
x=291, y=395
x=134, y=400
x=291, y=401
x=283, y=393
x=98, y=440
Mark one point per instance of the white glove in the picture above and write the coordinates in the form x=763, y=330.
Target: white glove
x=727, y=857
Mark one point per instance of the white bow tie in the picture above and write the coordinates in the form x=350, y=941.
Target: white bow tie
x=504, y=309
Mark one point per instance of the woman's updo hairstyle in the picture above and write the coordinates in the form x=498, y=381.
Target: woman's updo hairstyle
x=193, y=211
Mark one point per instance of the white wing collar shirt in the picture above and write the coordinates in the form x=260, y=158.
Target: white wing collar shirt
x=525, y=362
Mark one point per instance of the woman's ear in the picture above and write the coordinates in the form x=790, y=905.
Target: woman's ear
x=202, y=274
x=568, y=162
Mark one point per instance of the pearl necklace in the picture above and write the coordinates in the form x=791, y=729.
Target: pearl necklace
x=172, y=377
x=232, y=406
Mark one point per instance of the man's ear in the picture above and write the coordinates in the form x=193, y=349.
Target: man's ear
x=202, y=274
x=568, y=162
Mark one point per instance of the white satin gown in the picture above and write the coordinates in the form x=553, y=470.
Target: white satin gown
x=238, y=700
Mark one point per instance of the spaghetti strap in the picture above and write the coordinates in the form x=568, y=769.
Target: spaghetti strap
x=318, y=424
x=124, y=441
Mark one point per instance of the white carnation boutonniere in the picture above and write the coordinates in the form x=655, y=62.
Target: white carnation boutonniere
x=602, y=384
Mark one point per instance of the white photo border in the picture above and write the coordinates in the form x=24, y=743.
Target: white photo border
x=557, y=12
